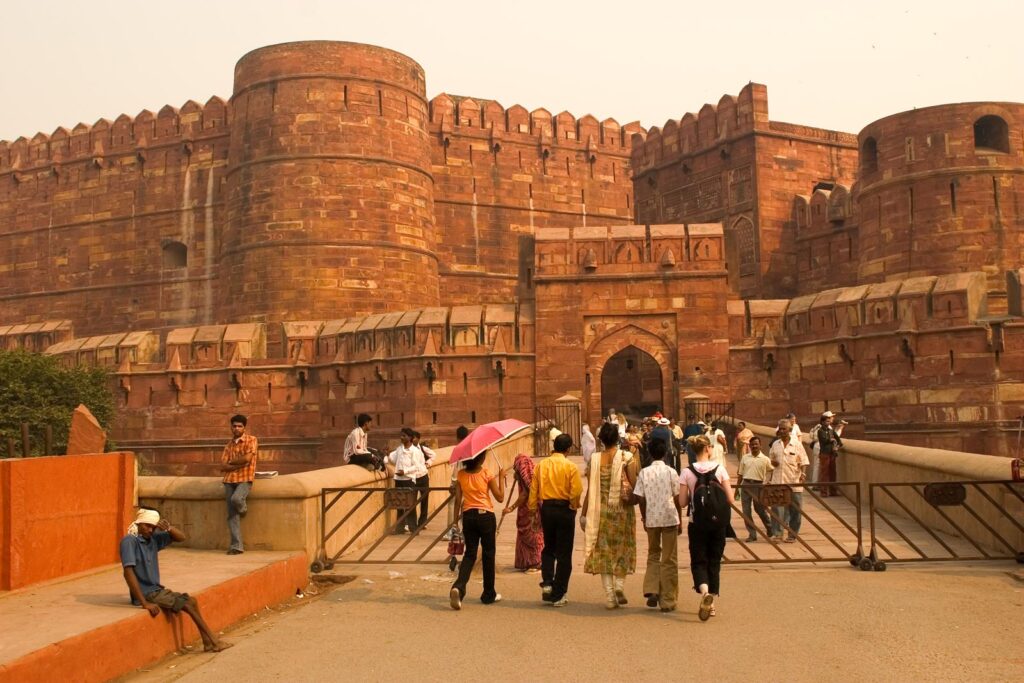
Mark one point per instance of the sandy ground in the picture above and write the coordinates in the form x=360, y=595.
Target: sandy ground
x=921, y=622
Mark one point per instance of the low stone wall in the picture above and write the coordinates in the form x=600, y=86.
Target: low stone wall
x=284, y=512
x=871, y=462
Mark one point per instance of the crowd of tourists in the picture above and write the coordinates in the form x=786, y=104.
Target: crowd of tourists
x=675, y=476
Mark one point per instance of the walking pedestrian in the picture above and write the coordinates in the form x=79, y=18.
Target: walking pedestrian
x=706, y=490
x=238, y=463
x=529, y=539
x=657, y=489
x=475, y=486
x=555, y=490
x=829, y=443
x=753, y=471
x=608, y=522
x=789, y=463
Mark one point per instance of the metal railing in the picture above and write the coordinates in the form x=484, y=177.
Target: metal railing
x=944, y=521
x=836, y=531
x=405, y=502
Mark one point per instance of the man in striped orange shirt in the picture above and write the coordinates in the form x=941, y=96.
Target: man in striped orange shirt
x=238, y=463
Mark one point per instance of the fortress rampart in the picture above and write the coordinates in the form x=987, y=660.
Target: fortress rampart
x=329, y=242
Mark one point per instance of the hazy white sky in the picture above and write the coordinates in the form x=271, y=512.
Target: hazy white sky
x=830, y=64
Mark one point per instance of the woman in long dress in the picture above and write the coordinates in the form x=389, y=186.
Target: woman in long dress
x=529, y=537
x=610, y=526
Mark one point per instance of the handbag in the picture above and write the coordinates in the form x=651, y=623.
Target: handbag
x=457, y=543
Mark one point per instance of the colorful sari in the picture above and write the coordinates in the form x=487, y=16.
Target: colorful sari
x=529, y=541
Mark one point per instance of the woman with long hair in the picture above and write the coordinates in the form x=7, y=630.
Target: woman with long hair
x=706, y=492
x=529, y=537
x=609, y=524
x=474, y=487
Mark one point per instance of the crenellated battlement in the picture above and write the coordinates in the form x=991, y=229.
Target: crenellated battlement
x=456, y=115
x=124, y=135
x=712, y=125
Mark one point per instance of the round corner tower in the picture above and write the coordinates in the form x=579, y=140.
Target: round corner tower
x=329, y=189
x=939, y=192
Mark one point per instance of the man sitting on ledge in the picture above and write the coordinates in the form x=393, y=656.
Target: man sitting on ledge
x=142, y=573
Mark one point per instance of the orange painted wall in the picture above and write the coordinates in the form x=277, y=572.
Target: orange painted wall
x=62, y=514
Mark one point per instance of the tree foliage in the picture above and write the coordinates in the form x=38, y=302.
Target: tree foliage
x=34, y=388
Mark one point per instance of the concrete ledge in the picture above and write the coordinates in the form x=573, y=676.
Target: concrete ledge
x=85, y=628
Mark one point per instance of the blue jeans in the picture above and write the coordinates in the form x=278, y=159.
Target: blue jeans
x=791, y=515
x=235, y=495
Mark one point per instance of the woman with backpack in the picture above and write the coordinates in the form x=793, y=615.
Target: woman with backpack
x=706, y=491
x=608, y=520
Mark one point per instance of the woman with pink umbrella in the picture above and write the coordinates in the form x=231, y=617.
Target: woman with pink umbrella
x=474, y=489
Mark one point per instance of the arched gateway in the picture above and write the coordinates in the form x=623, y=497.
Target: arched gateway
x=629, y=369
x=631, y=383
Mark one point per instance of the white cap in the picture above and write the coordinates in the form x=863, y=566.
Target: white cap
x=664, y=421
x=828, y=413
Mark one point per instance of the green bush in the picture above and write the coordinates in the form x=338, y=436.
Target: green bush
x=34, y=388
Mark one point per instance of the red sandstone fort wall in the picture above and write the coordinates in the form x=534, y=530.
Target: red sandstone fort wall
x=501, y=174
x=909, y=361
x=730, y=164
x=89, y=219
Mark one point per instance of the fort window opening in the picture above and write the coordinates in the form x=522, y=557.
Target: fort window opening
x=175, y=255
x=631, y=383
x=869, y=156
x=991, y=135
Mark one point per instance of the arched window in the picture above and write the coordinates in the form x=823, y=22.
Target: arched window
x=991, y=135
x=869, y=156
x=175, y=255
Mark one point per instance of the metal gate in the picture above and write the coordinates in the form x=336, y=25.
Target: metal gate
x=392, y=508
x=945, y=521
x=563, y=416
x=830, y=528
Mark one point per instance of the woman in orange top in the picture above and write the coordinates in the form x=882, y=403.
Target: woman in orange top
x=473, y=494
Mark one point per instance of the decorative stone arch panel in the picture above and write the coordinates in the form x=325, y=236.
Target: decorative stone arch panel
x=614, y=341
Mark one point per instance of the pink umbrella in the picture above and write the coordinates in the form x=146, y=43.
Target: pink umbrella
x=483, y=437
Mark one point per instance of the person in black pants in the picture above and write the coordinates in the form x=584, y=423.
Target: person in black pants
x=556, y=490
x=475, y=486
x=423, y=482
x=706, y=536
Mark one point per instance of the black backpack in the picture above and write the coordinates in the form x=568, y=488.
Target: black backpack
x=709, y=505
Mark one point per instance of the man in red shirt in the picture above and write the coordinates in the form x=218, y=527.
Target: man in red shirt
x=238, y=463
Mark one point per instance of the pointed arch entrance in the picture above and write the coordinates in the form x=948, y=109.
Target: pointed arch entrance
x=631, y=383
x=658, y=358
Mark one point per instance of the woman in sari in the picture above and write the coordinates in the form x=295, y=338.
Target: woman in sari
x=610, y=526
x=529, y=537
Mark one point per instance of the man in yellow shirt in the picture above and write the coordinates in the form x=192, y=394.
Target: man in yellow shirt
x=556, y=490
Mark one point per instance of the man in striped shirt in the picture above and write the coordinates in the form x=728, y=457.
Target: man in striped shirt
x=238, y=463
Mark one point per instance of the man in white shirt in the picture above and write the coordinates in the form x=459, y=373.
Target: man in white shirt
x=409, y=466
x=657, y=491
x=423, y=482
x=356, y=451
x=790, y=462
